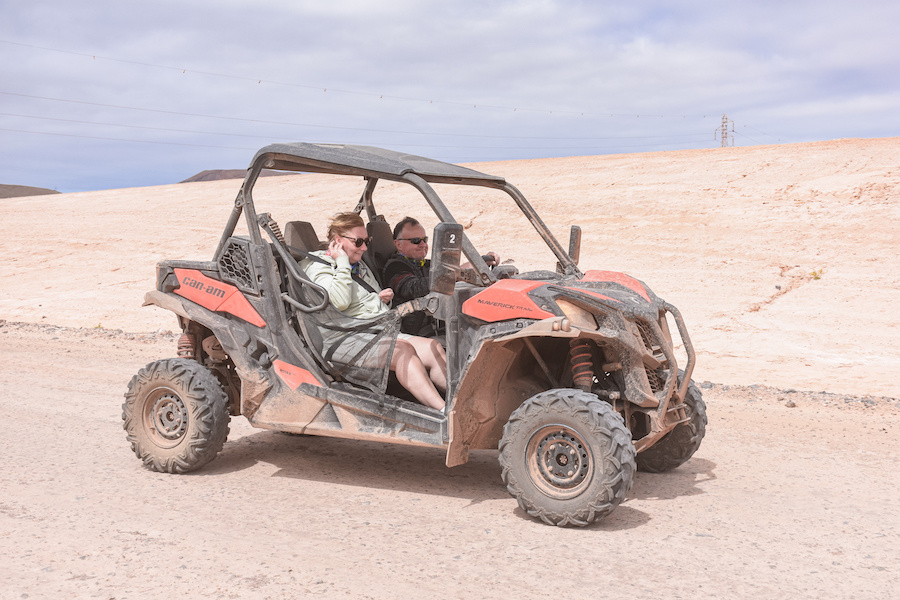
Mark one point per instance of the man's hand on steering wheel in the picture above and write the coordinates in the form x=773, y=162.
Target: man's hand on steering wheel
x=491, y=259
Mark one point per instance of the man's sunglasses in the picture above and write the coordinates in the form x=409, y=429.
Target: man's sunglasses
x=358, y=242
x=414, y=240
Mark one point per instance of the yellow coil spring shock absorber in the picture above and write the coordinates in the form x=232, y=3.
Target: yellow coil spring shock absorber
x=582, y=360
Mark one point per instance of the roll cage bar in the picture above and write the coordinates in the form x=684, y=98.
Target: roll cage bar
x=377, y=163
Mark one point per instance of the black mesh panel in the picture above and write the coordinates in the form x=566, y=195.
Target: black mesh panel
x=355, y=350
x=235, y=266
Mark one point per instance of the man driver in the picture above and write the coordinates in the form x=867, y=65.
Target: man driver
x=406, y=272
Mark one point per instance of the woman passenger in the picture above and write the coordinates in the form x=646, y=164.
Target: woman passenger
x=419, y=363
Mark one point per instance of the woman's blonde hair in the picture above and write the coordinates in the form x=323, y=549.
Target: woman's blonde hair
x=341, y=223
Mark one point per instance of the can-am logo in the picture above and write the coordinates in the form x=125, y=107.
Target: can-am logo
x=199, y=285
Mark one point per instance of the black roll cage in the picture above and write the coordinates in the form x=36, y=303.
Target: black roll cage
x=377, y=163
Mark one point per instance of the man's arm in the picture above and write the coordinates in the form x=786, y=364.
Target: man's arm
x=491, y=259
x=406, y=283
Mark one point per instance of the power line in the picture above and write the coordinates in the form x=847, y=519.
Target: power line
x=760, y=131
x=147, y=127
x=326, y=88
x=96, y=137
x=744, y=135
x=335, y=127
x=392, y=144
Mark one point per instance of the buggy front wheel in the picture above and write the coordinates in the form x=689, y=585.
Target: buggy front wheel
x=567, y=457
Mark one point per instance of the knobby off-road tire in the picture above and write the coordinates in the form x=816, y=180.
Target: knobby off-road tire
x=679, y=445
x=176, y=415
x=567, y=457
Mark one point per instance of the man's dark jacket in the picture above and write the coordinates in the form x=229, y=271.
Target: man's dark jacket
x=409, y=279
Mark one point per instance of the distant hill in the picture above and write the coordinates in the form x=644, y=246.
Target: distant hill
x=17, y=191
x=218, y=174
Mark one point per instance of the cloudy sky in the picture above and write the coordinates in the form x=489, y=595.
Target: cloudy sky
x=112, y=94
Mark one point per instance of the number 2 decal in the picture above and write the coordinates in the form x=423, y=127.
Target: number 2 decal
x=452, y=238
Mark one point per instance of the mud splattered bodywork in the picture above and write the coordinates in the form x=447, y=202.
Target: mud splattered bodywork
x=582, y=364
x=605, y=333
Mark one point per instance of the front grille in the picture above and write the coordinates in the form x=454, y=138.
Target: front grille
x=656, y=382
x=647, y=337
x=235, y=266
x=653, y=348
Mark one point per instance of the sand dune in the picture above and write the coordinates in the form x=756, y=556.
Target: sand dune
x=782, y=258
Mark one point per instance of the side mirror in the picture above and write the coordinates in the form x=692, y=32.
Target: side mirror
x=446, y=250
x=574, y=248
x=575, y=243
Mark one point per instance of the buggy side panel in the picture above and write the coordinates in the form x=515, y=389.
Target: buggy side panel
x=620, y=278
x=293, y=376
x=312, y=409
x=507, y=299
x=499, y=379
x=215, y=295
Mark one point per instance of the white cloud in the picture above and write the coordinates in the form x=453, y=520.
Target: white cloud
x=796, y=71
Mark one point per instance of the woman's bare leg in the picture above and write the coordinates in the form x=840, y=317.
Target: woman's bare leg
x=432, y=355
x=412, y=375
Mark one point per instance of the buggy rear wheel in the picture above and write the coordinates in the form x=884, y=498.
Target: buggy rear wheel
x=567, y=457
x=678, y=446
x=175, y=415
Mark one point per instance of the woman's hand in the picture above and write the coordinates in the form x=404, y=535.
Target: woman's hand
x=336, y=249
x=386, y=295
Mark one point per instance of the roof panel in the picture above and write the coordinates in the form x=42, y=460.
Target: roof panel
x=367, y=160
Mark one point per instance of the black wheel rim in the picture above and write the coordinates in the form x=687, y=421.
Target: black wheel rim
x=559, y=461
x=165, y=417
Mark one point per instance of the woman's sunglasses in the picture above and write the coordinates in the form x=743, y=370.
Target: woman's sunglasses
x=414, y=240
x=358, y=242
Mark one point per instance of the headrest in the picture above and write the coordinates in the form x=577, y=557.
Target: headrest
x=301, y=235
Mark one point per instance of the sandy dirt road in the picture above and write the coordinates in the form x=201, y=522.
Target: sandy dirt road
x=780, y=502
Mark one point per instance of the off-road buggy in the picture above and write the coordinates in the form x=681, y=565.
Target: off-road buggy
x=572, y=375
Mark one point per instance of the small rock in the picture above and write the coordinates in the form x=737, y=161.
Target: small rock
x=790, y=404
